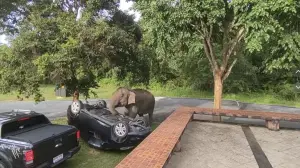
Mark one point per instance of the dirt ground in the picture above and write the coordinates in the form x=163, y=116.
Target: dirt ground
x=218, y=145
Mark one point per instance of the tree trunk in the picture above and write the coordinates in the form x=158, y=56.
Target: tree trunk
x=218, y=90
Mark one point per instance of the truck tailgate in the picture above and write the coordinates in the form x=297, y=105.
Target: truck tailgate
x=49, y=141
x=39, y=134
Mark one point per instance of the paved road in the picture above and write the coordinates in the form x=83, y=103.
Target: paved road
x=163, y=107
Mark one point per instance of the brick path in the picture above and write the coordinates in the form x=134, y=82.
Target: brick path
x=157, y=147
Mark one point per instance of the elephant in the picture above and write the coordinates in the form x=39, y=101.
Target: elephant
x=136, y=101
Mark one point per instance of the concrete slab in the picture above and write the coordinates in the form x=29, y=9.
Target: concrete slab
x=214, y=145
x=281, y=147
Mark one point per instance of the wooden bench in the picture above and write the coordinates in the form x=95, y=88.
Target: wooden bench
x=156, y=149
x=272, y=119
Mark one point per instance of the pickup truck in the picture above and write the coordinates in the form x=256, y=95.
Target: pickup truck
x=29, y=140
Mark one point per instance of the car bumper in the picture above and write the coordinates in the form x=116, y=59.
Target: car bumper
x=67, y=156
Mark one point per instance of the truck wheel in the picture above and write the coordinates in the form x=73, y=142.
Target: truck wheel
x=2, y=165
x=4, y=162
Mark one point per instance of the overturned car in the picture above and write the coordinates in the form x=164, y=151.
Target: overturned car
x=102, y=130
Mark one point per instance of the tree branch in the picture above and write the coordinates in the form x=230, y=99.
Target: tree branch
x=204, y=29
x=210, y=48
x=237, y=39
x=231, y=46
x=210, y=31
x=207, y=45
x=207, y=33
x=207, y=53
x=229, y=70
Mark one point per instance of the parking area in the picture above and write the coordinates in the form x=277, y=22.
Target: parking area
x=219, y=145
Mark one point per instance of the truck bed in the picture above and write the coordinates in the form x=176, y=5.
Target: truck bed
x=40, y=133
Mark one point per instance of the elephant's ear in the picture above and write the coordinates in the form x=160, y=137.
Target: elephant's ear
x=131, y=98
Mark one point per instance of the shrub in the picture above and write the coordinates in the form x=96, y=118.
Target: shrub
x=284, y=91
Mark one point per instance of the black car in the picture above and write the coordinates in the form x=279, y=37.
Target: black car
x=29, y=139
x=102, y=130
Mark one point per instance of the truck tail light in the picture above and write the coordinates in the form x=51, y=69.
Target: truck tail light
x=22, y=119
x=78, y=135
x=28, y=157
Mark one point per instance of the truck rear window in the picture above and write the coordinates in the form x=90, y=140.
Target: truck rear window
x=23, y=123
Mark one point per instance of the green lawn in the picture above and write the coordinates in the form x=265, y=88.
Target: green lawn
x=106, y=90
x=92, y=158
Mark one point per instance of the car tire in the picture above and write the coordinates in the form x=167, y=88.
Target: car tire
x=4, y=161
x=120, y=129
x=76, y=106
x=2, y=165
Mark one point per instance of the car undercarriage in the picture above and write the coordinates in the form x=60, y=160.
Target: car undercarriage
x=102, y=130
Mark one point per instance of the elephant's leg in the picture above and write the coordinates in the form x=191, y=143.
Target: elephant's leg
x=126, y=112
x=113, y=111
x=132, y=111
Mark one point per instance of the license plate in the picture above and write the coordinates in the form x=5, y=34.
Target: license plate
x=58, y=158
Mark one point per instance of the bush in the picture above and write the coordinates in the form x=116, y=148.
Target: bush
x=284, y=91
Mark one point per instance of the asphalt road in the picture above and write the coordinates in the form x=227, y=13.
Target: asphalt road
x=163, y=107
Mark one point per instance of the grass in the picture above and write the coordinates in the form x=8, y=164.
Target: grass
x=106, y=89
x=93, y=158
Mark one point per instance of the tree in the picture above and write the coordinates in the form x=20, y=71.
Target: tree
x=222, y=29
x=53, y=43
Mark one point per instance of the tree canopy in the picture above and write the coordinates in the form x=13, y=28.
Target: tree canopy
x=53, y=43
x=247, y=45
x=221, y=30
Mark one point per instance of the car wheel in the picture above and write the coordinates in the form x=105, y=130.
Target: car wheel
x=101, y=103
x=120, y=129
x=76, y=107
x=4, y=161
x=5, y=164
